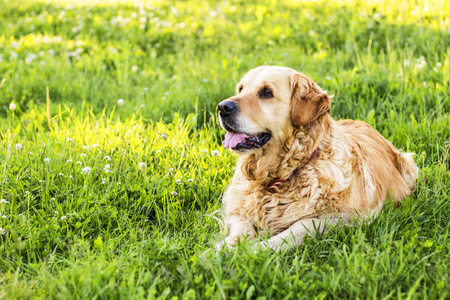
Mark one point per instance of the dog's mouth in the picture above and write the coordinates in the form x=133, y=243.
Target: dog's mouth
x=242, y=141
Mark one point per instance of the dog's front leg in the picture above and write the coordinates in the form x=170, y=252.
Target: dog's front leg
x=293, y=236
x=237, y=227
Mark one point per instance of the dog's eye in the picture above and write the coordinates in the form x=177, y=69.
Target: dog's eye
x=265, y=93
x=241, y=88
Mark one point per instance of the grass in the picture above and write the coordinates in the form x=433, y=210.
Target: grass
x=123, y=233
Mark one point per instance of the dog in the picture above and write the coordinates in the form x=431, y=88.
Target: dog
x=299, y=170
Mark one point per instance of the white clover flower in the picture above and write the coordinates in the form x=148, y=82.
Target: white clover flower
x=120, y=102
x=178, y=181
x=142, y=166
x=190, y=180
x=14, y=55
x=183, y=212
x=4, y=217
x=53, y=199
x=107, y=158
x=118, y=183
x=30, y=152
x=170, y=169
x=46, y=160
x=166, y=93
x=205, y=151
x=79, y=163
x=205, y=80
x=164, y=136
x=63, y=218
x=3, y=201
x=29, y=59
x=107, y=168
x=399, y=74
x=41, y=181
x=103, y=180
x=71, y=177
x=406, y=62
x=438, y=64
x=61, y=174
x=27, y=193
x=158, y=151
x=134, y=68
x=18, y=147
x=69, y=160
x=174, y=193
x=83, y=155
x=86, y=171
x=69, y=140
x=56, y=212
x=421, y=65
x=85, y=147
x=2, y=231
x=215, y=153
x=95, y=145
x=12, y=106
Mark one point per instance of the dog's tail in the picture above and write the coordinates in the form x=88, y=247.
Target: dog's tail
x=408, y=168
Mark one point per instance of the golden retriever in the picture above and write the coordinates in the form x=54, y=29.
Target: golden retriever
x=298, y=169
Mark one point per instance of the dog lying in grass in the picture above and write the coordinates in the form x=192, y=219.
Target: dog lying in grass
x=298, y=169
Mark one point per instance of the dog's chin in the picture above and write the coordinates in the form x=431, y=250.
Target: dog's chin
x=252, y=143
x=245, y=143
x=239, y=141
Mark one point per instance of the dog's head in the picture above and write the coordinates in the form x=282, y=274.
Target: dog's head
x=269, y=103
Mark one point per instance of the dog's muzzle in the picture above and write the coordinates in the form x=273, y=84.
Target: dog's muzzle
x=228, y=111
x=227, y=108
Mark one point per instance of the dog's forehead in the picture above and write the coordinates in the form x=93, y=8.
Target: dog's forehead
x=267, y=75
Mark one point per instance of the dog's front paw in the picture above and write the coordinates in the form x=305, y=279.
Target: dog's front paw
x=262, y=246
x=219, y=245
x=217, y=248
x=228, y=243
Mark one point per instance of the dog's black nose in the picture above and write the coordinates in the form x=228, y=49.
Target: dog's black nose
x=227, y=107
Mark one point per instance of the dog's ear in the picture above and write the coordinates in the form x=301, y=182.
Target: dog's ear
x=308, y=100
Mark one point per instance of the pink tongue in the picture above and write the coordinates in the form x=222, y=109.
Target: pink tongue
x=232, y=139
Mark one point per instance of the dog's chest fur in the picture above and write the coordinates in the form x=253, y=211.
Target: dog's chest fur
x=322, y=185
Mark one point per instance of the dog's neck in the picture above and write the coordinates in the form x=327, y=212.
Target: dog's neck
x=279, y=161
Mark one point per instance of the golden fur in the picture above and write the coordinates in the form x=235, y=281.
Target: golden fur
x=354, y=171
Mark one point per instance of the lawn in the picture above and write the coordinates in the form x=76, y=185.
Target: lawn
x=112, y=168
